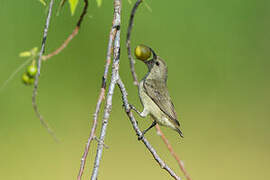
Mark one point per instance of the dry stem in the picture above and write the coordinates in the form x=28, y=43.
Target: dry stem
x=39, y=63
x=170, y=148
x=131, y=59
x=100, y=98
x=114, y=79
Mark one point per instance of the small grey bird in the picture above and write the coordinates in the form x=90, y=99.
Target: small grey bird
x=155, y=97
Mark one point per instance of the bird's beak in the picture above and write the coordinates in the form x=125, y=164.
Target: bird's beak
x=149, y=63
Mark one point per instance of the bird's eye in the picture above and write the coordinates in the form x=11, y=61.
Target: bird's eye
x=157, y=63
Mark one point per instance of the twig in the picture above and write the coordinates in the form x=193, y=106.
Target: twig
x=34, y=103
x=114, y=78
x=71, y=36
x=66, y=42
x=135, y=81
x=83, y=13
x=180, y=163
x=100, y=98
x=139, y=133
x=131, y=59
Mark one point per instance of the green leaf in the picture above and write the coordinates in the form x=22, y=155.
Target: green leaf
x=73, y=4
x=25, y=54
x=33, y=52
x=43, y=2
x=99, y=3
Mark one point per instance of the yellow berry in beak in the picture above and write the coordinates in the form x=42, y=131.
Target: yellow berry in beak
x=142, y=52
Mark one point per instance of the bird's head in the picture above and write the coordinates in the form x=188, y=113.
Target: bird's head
x=156, y=66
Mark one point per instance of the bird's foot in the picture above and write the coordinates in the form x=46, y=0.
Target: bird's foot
x=140, y=137
x=131, y=107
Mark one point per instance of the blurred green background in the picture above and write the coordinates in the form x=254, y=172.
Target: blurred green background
x=218, y=58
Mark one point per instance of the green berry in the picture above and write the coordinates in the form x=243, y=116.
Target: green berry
x=32, y=70
x=27, y=80
x=142, y=52
x=31, y=80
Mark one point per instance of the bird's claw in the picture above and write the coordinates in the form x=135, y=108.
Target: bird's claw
x=131, y=106
x=140, y=137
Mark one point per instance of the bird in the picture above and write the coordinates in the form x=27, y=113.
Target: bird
x=153, y=92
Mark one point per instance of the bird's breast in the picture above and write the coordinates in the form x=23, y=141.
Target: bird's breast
x=151, y=107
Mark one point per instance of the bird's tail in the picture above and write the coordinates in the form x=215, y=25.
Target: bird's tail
x=179, y=132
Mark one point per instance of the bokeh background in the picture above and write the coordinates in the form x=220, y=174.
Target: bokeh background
x=218, y=58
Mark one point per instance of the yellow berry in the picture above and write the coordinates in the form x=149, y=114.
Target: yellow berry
x=142, y=52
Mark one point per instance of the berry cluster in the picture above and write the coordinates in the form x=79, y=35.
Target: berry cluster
x=28, y=77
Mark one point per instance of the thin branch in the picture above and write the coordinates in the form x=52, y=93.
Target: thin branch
x=100, y=99
x=139, y=133
x=114, y=79
x=71, y=36
x=83, y=13
x=131, y=59
x=180, y=163
x=66, y=42
x=34, y=103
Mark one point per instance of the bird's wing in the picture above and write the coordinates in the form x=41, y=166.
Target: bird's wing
x=158, y=92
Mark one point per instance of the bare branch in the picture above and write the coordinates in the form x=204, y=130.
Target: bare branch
x=34, y=103
x=100, y=99
x=139, y=133
x=71, y=36
x=114, y=78
x=83, y=13
x=180, y=163
x=131, y=59
x=66, y=42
